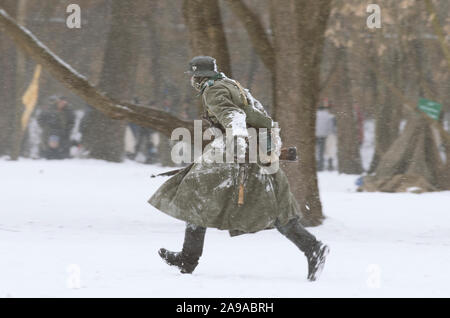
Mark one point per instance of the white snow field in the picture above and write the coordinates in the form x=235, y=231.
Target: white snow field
x=83, y=228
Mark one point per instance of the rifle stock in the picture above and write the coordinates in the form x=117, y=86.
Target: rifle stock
x=286, y=154
x=289, y=154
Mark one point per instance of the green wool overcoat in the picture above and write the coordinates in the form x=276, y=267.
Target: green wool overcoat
x=206, y=193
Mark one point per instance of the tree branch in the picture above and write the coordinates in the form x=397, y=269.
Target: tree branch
x=256, y=33
x=146, y=116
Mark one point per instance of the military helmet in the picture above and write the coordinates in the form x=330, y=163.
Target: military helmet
x=203, y=66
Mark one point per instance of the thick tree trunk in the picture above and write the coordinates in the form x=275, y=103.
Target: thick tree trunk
x=387, y=111
x=105, y=136
x=20, y=87
x=299, y=28
x=252, y=68
x=7, y=85
x=349, y=156
x=206, y=34
x=384, y=124
x=7, y=91
x=155, y=52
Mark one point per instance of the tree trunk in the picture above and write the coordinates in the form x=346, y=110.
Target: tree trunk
x=387, y=111
x=206, y=34
x=445, y=177
x=105, y=136
x=155, y=51
x=7, y=86
x=252, y=68
x=349, y=156
x=299, y=28
x=20, y=87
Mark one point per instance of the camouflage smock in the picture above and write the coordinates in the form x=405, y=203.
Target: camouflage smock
x=206, y=194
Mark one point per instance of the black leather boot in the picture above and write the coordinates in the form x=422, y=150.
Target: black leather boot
x=316, y=260
x=187, y=259
x=314, y=250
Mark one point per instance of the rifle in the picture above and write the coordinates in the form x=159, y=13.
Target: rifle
x=286, y=154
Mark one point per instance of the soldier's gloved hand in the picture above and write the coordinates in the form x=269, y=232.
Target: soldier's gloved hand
x=241, y=148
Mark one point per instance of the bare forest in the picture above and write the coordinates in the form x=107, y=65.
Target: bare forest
x=126, y=64
x=115, y=117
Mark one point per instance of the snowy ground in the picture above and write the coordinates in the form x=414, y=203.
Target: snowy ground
x=85, y=223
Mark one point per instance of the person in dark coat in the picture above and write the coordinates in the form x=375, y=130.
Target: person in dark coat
x=234, y=196
x=56, y=121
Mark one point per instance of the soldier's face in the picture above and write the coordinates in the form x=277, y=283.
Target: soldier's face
x=195, y=83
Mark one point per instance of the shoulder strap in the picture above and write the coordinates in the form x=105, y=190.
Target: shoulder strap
x=241, y=90
x=243, y=95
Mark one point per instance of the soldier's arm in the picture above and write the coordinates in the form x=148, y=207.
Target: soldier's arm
x=217, y=100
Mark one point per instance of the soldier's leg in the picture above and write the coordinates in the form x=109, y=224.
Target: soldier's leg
x=194, y=239
x=187, y=259
x=314, y=250
x=330, y=164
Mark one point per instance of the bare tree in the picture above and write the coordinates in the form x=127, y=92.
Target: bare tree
x=20, y=87
x=347, y=129
x=159, y=120
x=299, y=28
x=206, y=34
x=294, y=58
x=7, y=85
x=104, y=137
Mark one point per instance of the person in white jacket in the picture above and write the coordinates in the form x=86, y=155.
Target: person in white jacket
x=325, y=127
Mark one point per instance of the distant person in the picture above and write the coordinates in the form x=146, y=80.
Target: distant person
x=144, y=148
x=143, y=145
x=56, y=120
x=325, y=127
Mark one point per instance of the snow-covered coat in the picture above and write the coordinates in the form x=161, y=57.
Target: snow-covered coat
x=206, y=193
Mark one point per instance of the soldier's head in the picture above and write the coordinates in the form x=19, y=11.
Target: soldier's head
x=201, y=67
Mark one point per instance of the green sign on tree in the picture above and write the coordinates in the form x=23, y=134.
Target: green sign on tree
x=430, y=108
